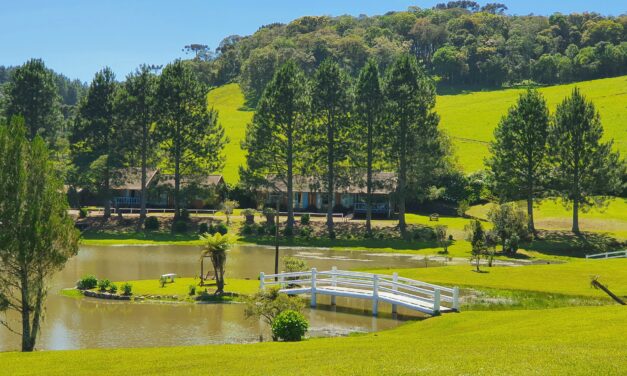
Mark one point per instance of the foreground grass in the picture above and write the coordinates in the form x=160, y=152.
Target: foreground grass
x=576, y=341
x=572, y=278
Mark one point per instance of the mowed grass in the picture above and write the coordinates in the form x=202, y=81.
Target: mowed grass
x=573, y=341
x=180, y=286
x=551, y=214
x=228, y=100
x=470, y=118
x=571, y=278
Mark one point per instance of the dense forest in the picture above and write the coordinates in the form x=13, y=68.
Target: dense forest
x=460, y=42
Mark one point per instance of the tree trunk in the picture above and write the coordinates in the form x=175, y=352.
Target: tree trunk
x=330, y=176
x=530, y=225
x=402, y=176
x=290, y=183
x=27, y=345
x=576, y=215
x=106, y=192
x=177, y=178
x=369, y=182
x=142, y=205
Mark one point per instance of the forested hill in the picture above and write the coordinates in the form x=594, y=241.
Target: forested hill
x=460, y=42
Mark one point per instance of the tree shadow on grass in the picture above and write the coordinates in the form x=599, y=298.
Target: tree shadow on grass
x=566, y=243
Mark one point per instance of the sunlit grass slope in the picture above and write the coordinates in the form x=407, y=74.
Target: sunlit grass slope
x=228, y=100
x=566, y=341
x=470, y=118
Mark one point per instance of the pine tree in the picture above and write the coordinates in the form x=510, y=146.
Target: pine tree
x=586, y=168
x=368, y=110
x=519, y=150
x=274, y=138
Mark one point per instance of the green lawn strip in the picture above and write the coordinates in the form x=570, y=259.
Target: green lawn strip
x=572, y=278
x=574, y=341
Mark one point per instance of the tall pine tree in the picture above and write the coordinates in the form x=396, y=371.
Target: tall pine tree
x=586, y=169
x=274, y=138
x=519, y=152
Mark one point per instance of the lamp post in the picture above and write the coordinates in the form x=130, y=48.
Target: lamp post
x=276, y=197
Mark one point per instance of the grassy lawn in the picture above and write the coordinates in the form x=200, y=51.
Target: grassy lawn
x=572, y=278
x=470, y=118
x=574, y=341
x=180, y=287
x=228, y=100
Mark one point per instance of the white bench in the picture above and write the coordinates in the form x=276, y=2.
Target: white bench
x=168, y=276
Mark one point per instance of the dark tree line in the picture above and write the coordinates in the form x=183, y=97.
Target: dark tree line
x=462, y=42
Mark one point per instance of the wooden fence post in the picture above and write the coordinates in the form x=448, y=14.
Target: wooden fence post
x=313, y=287
x=334, y=283
x=375, y=295
x=395, y=288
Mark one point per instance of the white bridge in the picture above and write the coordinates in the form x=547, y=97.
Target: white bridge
x=398, y=291
x=608, y=255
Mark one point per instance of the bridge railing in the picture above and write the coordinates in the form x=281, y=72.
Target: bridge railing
x=394, y=288
x=606, y=255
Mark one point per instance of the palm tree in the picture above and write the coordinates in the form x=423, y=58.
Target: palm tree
x=215, y=247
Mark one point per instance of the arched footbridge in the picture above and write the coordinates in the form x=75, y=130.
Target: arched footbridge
x=398, y=291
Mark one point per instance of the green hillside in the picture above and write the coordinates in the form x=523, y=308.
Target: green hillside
x=228, y=100
x=468, y=118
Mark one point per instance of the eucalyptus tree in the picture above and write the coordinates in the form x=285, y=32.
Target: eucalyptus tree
x=519, y=150
x=369, y=111
x=586, y=169
x=37, y=236
x=331, y=128
x=414, y=143
x=136, y=109
x=188, y=131
x=32, y=93
x=274, y=139
x=94, y=141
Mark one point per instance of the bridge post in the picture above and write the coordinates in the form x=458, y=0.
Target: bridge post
x=313, y=287
x=456, y=298
x=375, y=295
x=436, y=301
x=262, y=278
x=282, y=281
x=334, y=283
x=395, y=288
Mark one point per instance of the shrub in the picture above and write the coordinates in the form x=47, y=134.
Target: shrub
x=248, y=229
x=261, y=230
x=462, y=208
x=510, y=224
x=179, y=226
x=184, y=215
x=127, y=289
x=191, y=290
x=103, y=285
x=288, y=232
x=88, y=282
x=203, y=228
x=289, y=326
x=250, y=215
x=293, y=264
x=82, y=213
x=270, y=213
x=113, y=288
x=151, y=224
x=305, y=219
x=305, y=232
x=222, y=228
x=212, y=229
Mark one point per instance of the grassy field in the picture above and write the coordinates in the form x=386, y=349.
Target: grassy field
x=469, y=118
x=574, y=341
x=180, y=286
x=228, y=100
x=571, y=278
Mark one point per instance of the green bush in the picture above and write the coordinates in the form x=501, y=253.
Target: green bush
x=103, y=285
x=289, y=326
x=151, y=224
x=127, y=289
x=191, y=290
x=184, y=215
x=305, y=232
x=248, y=229
x=179, y=226
x=212, y=229
x=88, y=282
x=203, y=228
x=113, y=288
x=82, y=213
x=261, y=230
x=305, y=219
x=288, y=232
x=221, y=228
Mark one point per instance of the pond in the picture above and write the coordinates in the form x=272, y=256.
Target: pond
x=91, y=323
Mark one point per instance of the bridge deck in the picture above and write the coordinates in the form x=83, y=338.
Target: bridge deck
x=421, y=305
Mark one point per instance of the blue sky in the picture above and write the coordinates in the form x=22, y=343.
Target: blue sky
x=77, y=38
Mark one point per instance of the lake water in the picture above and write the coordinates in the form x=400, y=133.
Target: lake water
x=93, y=323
